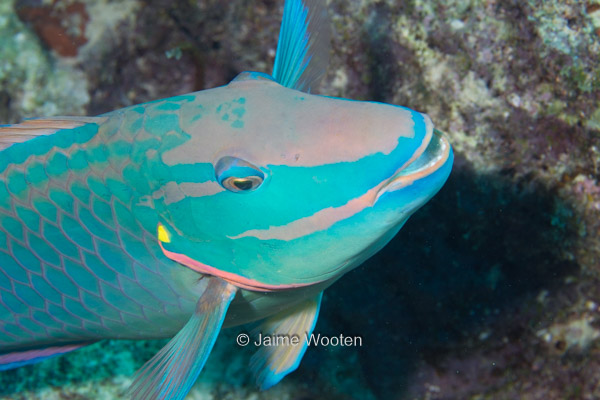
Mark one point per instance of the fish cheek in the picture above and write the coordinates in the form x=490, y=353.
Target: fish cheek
x=178, y=217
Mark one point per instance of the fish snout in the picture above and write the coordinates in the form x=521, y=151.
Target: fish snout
x=426, y=165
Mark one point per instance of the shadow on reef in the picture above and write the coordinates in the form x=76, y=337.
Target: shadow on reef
x=471, y=257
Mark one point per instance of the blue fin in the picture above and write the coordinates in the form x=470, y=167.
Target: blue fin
x=171, y=373
x=303, y=47
x=19, y=358
x=271, y=363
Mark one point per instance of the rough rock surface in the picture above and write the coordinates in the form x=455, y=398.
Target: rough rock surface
x=492, y=291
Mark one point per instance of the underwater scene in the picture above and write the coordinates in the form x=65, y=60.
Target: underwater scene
x=159, y=240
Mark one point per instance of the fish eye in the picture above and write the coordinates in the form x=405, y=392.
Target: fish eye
x=242, y=184
x=237, y=175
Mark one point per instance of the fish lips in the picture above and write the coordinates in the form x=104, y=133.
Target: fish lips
x=431, y=162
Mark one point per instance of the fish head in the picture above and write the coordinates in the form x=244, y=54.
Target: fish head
x=275, y=188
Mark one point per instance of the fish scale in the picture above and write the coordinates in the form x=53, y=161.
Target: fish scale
x=74, y=253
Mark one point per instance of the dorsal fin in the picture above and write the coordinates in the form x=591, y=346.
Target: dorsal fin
x=32, y=128
x=303, y=47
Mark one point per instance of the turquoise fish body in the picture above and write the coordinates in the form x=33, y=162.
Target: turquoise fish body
x=215, y=208
x=80, y=256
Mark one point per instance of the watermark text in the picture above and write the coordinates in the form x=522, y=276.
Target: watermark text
x=307, y=339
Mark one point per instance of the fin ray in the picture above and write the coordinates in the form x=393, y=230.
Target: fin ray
x=271, y=363
x=171, y=373
x=20, y=358
x=303, y=47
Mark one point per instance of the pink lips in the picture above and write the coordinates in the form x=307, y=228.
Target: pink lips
x=432, y=157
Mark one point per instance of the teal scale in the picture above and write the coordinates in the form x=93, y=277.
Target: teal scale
x=97, y=279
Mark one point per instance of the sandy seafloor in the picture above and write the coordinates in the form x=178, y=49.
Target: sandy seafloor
x=491, y=291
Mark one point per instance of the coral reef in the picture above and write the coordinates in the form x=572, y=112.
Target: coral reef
x=490, y=292
x=32, y=82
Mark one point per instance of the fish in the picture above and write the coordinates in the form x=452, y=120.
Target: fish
x=187, y=215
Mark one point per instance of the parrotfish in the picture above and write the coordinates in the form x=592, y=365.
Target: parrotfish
x=178, y=217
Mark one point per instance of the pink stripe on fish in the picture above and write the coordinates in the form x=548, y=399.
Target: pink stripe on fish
x=173, y=192
x=324, y=219
x=424, y=144
x=234, y=279
x=320, y=131
x=319, y=221
x=426, y=170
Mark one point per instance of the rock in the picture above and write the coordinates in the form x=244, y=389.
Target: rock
x=60, y=28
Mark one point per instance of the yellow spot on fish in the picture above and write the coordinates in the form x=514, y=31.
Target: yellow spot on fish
x=163, y=235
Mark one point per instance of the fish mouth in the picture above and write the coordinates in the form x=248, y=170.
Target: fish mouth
x=425, y=162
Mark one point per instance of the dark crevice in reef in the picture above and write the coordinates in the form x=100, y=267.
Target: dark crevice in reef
x=469, y=261
x=380, y=49
x=5, y=102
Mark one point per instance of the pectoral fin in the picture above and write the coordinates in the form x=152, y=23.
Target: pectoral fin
x=19, y=358
x=271, y=363
x=171, y=373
